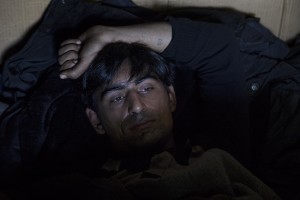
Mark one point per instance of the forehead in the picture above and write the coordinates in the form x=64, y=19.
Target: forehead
x=123, y=78
x=123, y=74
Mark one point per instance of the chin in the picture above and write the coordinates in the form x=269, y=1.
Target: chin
x=149, y=144
x=143, y=142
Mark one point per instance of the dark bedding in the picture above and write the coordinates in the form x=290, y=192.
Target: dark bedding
x=45, y=131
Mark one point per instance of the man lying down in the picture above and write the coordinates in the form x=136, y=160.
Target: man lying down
x=128, y=87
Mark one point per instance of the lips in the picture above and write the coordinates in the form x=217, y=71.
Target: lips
x=141, y=125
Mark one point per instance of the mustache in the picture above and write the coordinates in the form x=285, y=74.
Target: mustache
x=138, y=118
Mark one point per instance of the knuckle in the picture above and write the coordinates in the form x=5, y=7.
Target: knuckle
x=60, y=60
x=68, y=41
x=73, y=74
x=61, y=51
x=71, y=55
x=67, y=65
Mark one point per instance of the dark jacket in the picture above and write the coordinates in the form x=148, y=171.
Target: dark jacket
x=45, y=140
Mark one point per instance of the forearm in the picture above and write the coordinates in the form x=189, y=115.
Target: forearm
x=75, y=55
x=156, y=36
x=195, y=42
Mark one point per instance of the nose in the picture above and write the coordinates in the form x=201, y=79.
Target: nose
x=135, y=103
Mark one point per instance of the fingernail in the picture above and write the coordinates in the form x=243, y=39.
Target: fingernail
x=62, y=76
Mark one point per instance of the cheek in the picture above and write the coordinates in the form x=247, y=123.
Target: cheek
x=167, y=118
x=111, y=120
x=161, y=104
x=163, y=109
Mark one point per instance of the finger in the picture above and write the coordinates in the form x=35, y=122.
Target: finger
x=70, y=41
x=83, y=36
x=77, y=70
x=71, y=55
x=67, y=48
x=68, y=65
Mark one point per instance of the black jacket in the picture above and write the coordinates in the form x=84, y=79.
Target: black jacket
x=45, y=140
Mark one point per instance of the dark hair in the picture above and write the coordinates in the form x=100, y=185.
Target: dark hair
x=144, y=61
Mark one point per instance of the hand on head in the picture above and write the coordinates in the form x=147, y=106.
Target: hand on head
x=75, y=55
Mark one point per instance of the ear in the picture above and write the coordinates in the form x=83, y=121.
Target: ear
x=94, y=120
x=172, y=98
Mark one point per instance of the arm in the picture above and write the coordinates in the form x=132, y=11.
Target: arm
x=77, y=54
x=212, y=51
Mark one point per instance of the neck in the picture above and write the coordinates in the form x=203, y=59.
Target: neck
x=169, y=144
x=121, y=153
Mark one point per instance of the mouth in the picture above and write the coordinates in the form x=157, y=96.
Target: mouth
x=141, y=125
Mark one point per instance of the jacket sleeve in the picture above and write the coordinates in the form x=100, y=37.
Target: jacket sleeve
x=212, y=52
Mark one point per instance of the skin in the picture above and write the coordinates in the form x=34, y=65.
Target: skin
x=136, y=113
x=75, y=55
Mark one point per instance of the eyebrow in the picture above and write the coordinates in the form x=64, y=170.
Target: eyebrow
x=121, y=86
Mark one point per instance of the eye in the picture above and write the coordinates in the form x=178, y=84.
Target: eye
x=117, y=99
x=146, y=88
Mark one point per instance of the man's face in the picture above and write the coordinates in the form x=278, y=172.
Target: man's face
x=136, y=113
